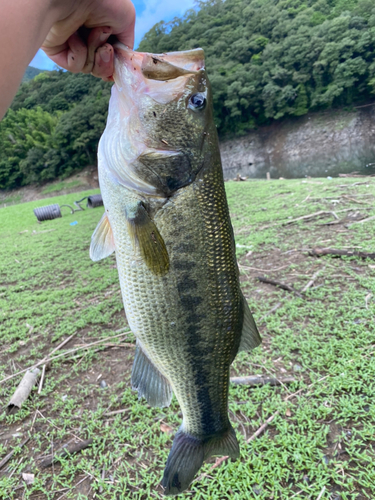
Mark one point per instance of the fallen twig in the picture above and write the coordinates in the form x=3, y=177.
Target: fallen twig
x=269, y=420
x=311, y=282
x=352, y=185
x=356, y=174
x=23, y=390
x=284, y=286
x=64, y=451
x=6, y=459
x=361, y=221
x=42, y=379
x=117, y=412
x=75, y=486
x=263, y=270
x=275, y=308
x=263, y=427
x=319, y=252
x=61, y=345
x=259, y=380
x=315, y=214
x=58, y=428
x=321, y=493
x=347, y=197
x=367, y=299
x=310, y=216
x=48, y=359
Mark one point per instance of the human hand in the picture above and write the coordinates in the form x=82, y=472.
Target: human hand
x=77, y=40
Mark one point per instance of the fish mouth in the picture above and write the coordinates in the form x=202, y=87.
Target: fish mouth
x=146, y=73
x=159, y=67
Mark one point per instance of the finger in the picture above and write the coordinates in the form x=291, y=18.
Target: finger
x=103, y=66
x=126, y=34
x=71, y=56
x=96, y=38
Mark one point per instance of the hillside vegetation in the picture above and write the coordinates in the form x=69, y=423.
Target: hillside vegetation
x=52, y=128
x=267, y=59
x=30, y=73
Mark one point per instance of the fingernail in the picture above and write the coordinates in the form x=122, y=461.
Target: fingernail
x=104, y=36
x=105, y=56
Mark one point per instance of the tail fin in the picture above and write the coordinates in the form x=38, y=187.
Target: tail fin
x=187, y=455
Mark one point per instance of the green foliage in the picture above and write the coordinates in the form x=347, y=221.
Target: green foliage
x=31, y=73
x=52, y=128
x=270, y=59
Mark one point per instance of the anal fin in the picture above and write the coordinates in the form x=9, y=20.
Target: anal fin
x=149, y=382
x=102, y=242
x=250, y=337
x=145, y=235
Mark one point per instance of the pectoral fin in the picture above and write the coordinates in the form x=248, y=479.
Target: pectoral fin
x=250, y=337
x=145, y=235
x=102, y=242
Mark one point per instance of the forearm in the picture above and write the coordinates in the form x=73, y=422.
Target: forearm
x=24, y=25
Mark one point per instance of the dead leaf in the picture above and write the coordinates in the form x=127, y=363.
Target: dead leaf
x=165, y=428
x=28, y=478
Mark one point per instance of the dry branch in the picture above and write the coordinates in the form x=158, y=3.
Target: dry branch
x=310, y=216
x=356, y=174
x=319, y=252
x=263, y=427
x=284, y=286
x=312, y=281
x=275, y=308
x=23, y=390
x=316, y=214
x=361, y=221
x=347, y=197
x=69, y=449
x=42, y=379
x=48, y=358
x=323, y=212
x=259, y=380
x=6, y=459
x=352, y=185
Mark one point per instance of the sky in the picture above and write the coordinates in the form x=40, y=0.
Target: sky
x=149, y=12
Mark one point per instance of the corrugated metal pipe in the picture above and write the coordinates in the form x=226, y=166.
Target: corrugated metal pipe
x=50, y=212
x=93, y=201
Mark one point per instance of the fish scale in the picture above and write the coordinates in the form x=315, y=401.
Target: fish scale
x=175, y=251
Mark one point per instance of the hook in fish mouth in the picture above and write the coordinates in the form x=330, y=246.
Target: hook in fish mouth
x=161, y=67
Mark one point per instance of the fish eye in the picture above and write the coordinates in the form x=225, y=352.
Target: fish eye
x=197, y=101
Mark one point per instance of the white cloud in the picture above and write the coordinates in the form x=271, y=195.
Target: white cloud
x=159, y=10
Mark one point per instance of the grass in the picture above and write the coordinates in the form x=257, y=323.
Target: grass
x=11, y=200
x=60, y=186
x=321, y=441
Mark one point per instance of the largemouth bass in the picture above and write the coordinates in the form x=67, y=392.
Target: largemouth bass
x=167, y=218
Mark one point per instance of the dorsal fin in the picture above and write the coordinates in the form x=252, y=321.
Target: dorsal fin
x=102, y=242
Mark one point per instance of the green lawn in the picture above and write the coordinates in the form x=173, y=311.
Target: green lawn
x=320, y=443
